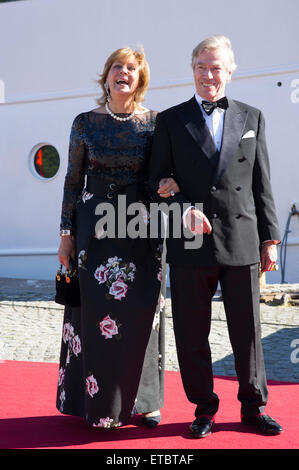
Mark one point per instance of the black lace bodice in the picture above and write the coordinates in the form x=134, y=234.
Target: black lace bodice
x=116, y=151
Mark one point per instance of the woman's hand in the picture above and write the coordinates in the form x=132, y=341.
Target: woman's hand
x=66, y=250
x=168, y=187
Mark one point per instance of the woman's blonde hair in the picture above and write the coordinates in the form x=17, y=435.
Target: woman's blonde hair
x=144, y=72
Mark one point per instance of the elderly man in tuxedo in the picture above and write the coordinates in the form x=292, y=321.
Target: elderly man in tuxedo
x=215, y=149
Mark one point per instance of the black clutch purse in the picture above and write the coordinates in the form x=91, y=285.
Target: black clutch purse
x=67, y=287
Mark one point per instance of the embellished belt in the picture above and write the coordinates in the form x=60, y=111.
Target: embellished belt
x=106, y=189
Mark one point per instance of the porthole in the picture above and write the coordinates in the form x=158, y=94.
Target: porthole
x=45, y=161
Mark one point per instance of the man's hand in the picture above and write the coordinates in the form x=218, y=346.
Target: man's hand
x=167, y=187
x=197, y=222
x=268, y=256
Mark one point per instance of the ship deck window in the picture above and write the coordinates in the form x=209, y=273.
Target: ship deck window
x=46, y=161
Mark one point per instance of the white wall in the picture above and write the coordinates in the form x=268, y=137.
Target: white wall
x=50, y=54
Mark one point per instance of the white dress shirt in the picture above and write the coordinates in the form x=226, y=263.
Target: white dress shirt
x=214, y=122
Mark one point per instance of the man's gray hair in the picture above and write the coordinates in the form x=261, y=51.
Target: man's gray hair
x=216, y=42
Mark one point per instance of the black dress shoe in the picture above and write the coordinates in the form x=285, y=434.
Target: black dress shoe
x=151, y=421
x=264, y=423
x=202, y=426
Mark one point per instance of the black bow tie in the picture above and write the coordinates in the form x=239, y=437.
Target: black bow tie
x=210, y=106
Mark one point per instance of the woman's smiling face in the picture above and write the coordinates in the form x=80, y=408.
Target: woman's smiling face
x=123, y=77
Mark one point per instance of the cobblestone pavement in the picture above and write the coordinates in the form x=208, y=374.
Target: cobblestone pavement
x=31, y=325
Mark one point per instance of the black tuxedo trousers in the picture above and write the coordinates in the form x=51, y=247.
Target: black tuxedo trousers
x=234, y=188
x=192, y=290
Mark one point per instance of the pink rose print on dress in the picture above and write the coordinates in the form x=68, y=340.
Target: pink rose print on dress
x=92, y=385
x=73, y=347
x=60, y=376
x=76, y=345
x=68, y=332
x=118, y=289
x=82, y=257
x=108, y=327
x=68, y=357
x=73, y=340
x=101, y=274
x=116, y=275
x=62, y=399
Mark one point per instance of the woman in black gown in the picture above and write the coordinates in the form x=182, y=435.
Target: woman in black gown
x=112, y=357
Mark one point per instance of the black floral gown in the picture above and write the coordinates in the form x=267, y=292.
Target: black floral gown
x=112, y=351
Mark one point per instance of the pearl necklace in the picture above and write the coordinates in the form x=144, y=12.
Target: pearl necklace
x=117, y=117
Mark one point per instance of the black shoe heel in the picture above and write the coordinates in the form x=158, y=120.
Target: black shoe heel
x=151, y=421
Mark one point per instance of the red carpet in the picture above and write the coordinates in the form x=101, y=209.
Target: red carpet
x=29, y=419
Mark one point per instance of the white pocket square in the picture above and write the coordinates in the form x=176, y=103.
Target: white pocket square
x=248, y=135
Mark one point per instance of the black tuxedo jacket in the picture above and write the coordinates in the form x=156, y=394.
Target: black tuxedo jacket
x=233, y=185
